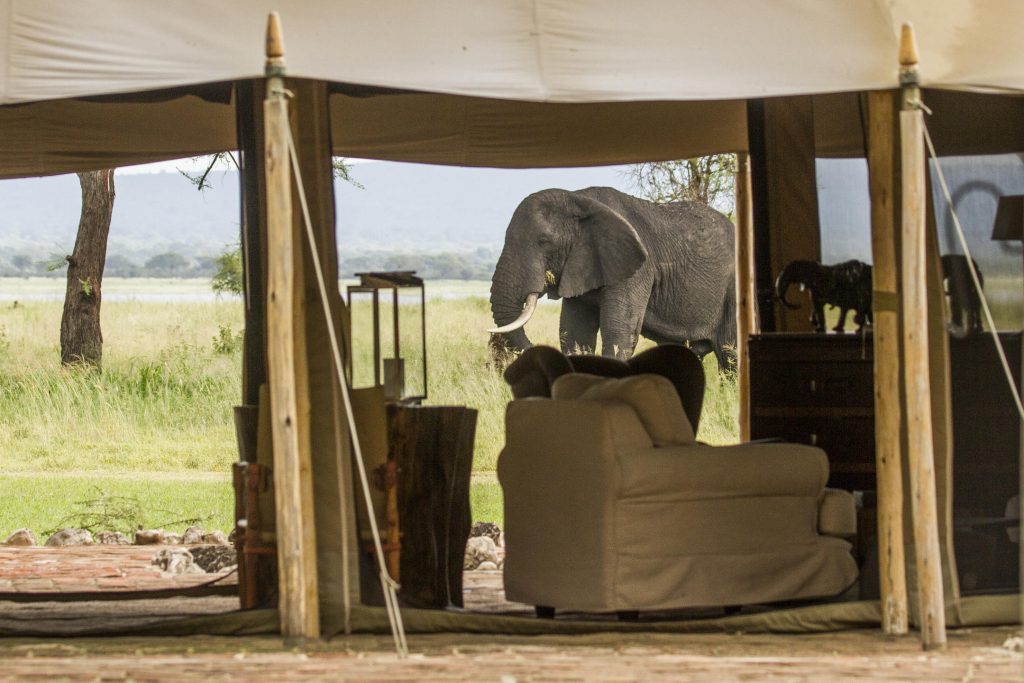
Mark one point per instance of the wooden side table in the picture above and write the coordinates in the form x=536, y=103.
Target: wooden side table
x=433, y=447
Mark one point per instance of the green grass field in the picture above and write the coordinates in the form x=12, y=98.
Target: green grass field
x=156, y=424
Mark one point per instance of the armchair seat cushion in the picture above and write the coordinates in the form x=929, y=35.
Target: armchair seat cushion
x=702, y=472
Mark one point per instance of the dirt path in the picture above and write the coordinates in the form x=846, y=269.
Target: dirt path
x=972, y=655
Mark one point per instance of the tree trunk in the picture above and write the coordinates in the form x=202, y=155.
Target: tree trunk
x=81, y=340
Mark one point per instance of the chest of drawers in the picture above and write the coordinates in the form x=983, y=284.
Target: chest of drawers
x=819, y=389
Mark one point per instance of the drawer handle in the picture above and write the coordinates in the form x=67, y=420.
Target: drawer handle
x=814, y=385
x=814, y=439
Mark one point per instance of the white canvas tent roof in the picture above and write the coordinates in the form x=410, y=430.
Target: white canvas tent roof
x=640, y=80
x=531, y=50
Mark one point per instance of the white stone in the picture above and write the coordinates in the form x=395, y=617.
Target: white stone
x=176, y=561
x=480, y=549
x=171, y=538
x=215, y=538
x=192, y=535
x=149, y=536
x=21, y=537
x=112, y=538
x=70, y=537
x=487, y=567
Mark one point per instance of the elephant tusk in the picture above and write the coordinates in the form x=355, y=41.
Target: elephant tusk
x=531, y=306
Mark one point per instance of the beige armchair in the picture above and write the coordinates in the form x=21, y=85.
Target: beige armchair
x=612, y=506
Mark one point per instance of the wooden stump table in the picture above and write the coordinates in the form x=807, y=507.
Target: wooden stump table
x=433, y=447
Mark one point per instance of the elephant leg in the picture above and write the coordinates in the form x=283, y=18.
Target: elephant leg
x=818, y=317
x=621, y=318
x=842, y=319
x=577, y=326
x=858, y=319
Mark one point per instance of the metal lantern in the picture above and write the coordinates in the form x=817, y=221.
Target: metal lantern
x=388, y=331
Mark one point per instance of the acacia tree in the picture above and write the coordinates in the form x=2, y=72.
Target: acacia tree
x=81, y=340
x=709, y=180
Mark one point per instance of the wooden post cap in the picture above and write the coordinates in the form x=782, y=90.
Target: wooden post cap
x=908, y=46
x=275, y=38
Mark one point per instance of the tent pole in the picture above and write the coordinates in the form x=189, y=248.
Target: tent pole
x=296, y=534
x=746, y=320
x=883, y=177
x=920, y=447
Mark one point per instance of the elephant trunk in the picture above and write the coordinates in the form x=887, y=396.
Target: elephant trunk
x=509, y=292
x=524, y=317
x=782, y=286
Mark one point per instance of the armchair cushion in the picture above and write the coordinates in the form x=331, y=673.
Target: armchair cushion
x=653, y=397
x=837, y=514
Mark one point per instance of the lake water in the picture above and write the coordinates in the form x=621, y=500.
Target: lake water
x=191, y=290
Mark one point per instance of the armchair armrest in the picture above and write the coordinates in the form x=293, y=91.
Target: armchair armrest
x=837, y=514
x=560, y=478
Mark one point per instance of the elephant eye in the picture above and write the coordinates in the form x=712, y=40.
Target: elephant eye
x=543, y=241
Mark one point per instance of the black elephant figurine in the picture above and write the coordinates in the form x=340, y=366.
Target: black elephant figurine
x=964, y=298
x=846, y=286
x=621, y=265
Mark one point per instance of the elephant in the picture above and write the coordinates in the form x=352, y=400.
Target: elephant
x=624, y=267
x=846, y=285
x=964, y=299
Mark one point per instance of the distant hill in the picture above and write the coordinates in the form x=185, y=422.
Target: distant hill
x=403, y=207
x=404, y=210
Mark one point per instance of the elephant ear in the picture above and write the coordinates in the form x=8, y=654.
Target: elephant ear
x=608, y=250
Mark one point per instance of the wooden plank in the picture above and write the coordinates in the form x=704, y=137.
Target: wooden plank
x=746, y=317
x=942, y=405
x=792, y=195
x=916, y=350
x=883, y=184
x=765, y=301
x=253, y=235
x=289, y=397
x=329, y=435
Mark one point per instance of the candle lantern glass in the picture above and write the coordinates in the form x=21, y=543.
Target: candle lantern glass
x=387, y=315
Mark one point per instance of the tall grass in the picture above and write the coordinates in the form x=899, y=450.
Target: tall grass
x=163, y=401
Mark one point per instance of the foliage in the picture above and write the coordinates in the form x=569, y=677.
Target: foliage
x=228, y=278
x=53, y=500
x=710, y=180
x=342, y=170
x=107, y=512
x=54, y=263
x=168, y=264
x=226, y=342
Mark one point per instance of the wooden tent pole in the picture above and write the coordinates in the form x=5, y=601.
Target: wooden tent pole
x=920, y=453
x=746, y=321
x=883, y=178
x=296, y=539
